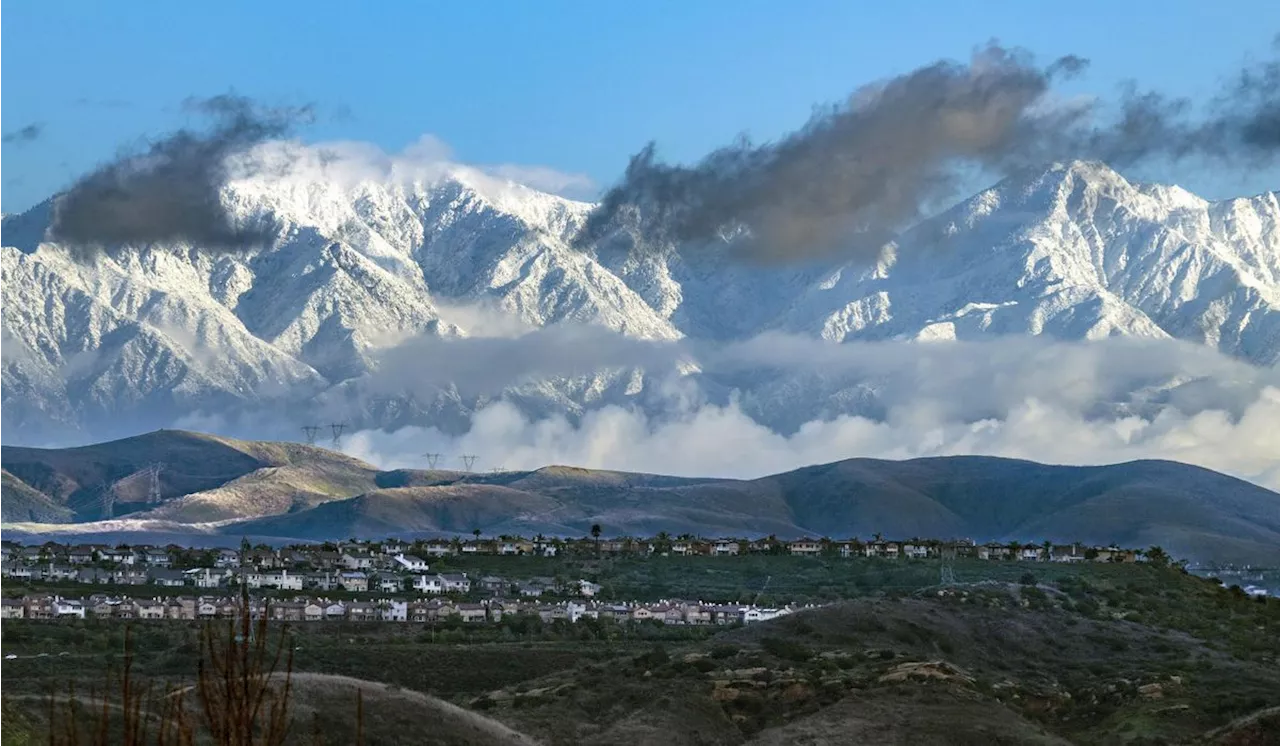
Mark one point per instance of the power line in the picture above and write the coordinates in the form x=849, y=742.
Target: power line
x=153, y=494
x=432, y=460
x=310, y=432
x=468, y=461
x=337, y=428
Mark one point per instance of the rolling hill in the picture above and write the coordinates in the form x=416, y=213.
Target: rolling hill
x=293, y=491
x=1193, y=512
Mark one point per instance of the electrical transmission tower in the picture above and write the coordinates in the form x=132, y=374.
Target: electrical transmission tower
x=468, y=461
x=497, y=470
x=310, y=431
x=337, y=428
x=153, y=491
x=432, y=460
x=108, y=501
x=948, y=566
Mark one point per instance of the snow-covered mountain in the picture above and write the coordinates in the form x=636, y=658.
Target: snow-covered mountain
x=140, y=337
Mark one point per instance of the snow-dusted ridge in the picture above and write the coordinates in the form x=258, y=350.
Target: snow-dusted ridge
x=140, y=337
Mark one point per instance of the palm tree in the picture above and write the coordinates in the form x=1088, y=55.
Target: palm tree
x=595, y=534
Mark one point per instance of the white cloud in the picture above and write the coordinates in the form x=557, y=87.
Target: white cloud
x=347, y=163
x=1033, y=398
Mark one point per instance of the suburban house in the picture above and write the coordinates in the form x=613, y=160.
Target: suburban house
x=439, y=548
x=410, y=563
x=356, y=559
x=154, y=557
x=588, y=589
x=805, y=547
x=152, y=608
x=725, y=548
x=354, y=581
x=207, y=577
x=12, y=608
x=68, y=607
x=915, y=551
x=395, y=611
x=428, y=584
x=455, y=582
x=389, y=583
x=283, y=580
x=993, y=551
x=166, y=577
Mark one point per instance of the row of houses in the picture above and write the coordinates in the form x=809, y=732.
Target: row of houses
x=319, y=609
x=353, y=581
x=401, y=557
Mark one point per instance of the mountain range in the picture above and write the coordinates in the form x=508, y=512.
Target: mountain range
x=134, y=338
x=219, y=486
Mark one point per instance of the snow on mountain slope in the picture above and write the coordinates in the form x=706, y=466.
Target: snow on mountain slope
x=1076, y=253
x=140, y=336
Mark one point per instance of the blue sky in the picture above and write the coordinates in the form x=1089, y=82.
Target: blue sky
x=577, y=86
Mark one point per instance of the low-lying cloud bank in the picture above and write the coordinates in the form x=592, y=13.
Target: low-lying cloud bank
x=1074, y=403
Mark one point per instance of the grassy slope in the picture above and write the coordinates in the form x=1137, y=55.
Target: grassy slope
x=21, y=502
x=203, y=477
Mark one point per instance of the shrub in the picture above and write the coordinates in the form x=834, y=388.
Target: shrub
x=786, y=649
x=724, y=650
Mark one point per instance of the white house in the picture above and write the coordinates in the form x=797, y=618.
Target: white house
x=455, y=582
x=394, y=611
x=411, y=563
x=357, y=560
x=68, y=607
x=725, y=548
x=915, y=551
x=428, y=584
x=587, y=588
x=283, y=580
x=354, y=581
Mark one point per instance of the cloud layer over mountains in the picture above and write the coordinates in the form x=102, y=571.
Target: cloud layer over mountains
x=1060, y=402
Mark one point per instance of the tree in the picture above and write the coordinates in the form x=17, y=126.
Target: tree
x=1157, y=556
x=476, y=533
x=595, y=534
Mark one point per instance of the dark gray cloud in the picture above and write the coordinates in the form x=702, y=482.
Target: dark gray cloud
x=860, y=171
x=171, y=192
x=23, y=135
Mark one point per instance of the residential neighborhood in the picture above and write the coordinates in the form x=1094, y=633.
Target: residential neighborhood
x=400, y=581
x=395, y=565
x=320, y=609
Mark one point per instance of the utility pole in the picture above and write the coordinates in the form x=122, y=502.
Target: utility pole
x=337, y=428
x=468, y=461
x=310, y=431
x=432, y=460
